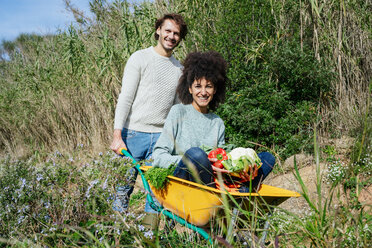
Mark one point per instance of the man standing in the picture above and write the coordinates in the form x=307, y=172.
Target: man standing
x=148, y=92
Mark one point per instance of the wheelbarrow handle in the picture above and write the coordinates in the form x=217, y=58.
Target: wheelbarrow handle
x=124, y=152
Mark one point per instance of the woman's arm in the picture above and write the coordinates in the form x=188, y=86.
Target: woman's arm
x=221, y=137
x=164, y=150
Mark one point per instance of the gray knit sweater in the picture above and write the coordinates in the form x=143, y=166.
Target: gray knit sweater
x=148, y=91
x=184, y=128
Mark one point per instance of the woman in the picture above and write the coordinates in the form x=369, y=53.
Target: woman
x=191, y=124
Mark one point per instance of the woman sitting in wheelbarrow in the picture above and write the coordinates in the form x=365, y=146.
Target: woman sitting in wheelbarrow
x=192, y=124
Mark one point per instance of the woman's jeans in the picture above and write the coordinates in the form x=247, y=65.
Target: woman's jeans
x=140, y=145
x=196, y=158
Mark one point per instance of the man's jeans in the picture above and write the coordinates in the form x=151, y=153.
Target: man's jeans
x=204, y=171
x=140, y=146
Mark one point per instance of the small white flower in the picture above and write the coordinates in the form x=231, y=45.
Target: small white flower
x=141, y=228
x=23, y=182
x=20, y=219
x=39, y=177
x=149, y=234
x=104, y=185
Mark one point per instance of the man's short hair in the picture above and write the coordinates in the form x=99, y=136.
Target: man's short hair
x=177, y=18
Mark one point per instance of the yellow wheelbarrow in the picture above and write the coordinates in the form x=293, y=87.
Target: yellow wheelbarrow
x=194, y=205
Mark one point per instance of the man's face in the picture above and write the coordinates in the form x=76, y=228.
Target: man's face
x=169, y=35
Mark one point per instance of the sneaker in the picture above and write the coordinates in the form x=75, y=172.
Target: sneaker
x=121, y=202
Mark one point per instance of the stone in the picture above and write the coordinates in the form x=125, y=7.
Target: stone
x=302, y=160
x=288, y=181
x=365, y=197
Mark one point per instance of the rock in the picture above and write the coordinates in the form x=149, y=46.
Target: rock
x=365, y=197
x=345, y=143
x=289, y=181
x=302, y=160
x=342, y=146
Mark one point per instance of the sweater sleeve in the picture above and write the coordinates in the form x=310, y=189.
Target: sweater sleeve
x=130, y=82
x=221, y=137
x=165, y=146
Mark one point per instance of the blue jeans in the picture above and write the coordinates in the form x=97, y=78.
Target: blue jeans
x=203, y=167
x=268, y=162
x=140, y=145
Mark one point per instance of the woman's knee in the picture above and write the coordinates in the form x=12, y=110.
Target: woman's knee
x=267, y=157
x=268, y=162
x=196, y=153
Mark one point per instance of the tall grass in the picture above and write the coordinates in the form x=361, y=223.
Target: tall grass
x=61, y=90
x=64, y=200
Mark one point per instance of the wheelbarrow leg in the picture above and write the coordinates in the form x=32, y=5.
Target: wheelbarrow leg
x=266, y=228
x=230, y=229
x=248, y=239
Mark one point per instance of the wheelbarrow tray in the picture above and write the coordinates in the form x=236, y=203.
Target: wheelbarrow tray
x=197, y=203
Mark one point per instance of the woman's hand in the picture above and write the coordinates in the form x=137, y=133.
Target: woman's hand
x=216, y=169
x=253, y=171
x=213, y=160
x=117, y=142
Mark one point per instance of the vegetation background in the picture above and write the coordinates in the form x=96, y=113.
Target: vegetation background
x=294, y=66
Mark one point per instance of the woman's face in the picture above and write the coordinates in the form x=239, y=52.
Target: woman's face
x=202, y=92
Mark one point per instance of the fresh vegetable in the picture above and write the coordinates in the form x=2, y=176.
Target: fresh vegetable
x=226, y=147
x=241, y=159
x=220, y=154
x=157, y=176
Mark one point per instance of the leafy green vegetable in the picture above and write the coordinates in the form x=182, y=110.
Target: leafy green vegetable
x=241, y=159
x=157, y=176
x=226, y=147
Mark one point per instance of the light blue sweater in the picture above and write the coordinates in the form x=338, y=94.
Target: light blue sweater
x=184, y=128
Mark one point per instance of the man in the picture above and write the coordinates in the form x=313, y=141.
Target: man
x=148, y=92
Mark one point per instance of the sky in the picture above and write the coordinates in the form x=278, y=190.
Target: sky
x=35, y=16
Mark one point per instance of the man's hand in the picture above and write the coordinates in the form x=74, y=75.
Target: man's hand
x=117, y=142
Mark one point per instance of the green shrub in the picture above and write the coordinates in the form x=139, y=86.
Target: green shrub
x=276, y=106
x=264, y=115
x=298, y=72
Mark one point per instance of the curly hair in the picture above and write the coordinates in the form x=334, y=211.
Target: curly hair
x=209, y=65
x=177, y=18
